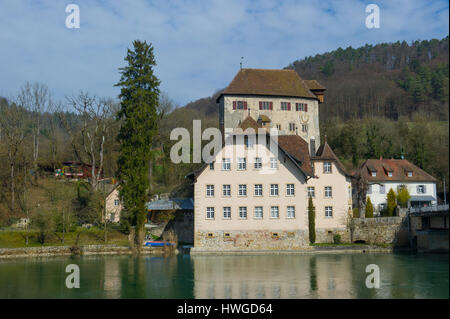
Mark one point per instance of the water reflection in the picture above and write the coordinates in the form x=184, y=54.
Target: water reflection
x=264, y=276
x=314, y=276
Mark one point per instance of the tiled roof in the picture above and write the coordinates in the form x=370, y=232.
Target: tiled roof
x=297, y=147
x=249, y=122
x=399, y=168
x=325, y=152
x=269, y=82
x=314, y=85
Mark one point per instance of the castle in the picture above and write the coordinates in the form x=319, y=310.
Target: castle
x=255, y=197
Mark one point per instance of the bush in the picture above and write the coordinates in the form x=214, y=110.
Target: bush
x=369, y=208
x=355, y=212
x=124, y=226
x=44, y=222
x=391, y=202
x=403, y=197
x=337, y=239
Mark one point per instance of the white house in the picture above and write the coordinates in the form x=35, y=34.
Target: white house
x=384, y=174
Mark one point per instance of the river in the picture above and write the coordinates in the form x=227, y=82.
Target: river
x=253, y=276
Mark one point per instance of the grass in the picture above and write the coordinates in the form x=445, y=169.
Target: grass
x=93, y=236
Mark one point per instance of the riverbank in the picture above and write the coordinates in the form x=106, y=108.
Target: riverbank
x=322, y=249
x=49, y=251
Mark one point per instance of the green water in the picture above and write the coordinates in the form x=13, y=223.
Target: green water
x=262, y=276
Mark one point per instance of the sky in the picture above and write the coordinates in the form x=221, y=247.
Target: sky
x=198, y=44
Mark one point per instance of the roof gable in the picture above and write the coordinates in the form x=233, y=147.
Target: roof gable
x=270, y=82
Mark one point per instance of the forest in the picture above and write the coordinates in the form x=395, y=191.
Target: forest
x=387, y=100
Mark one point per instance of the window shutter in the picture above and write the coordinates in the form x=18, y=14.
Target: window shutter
x=306, y=107
x=296, y=106
x=271, y=106
x=417, y=189
x=245, y=105
x=424, y=189
x=234, y=105
x=260, y=105
x=289, y=106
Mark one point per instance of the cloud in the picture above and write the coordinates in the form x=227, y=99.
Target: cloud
x=198, y=44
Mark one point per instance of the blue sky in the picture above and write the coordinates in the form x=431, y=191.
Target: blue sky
x=198, y=44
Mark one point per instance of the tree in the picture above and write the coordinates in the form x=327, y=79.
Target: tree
x=44, y=222
x=391, y=202
x=311, y=221
x=35, y=98
x=369, y=208
x=94, y=114
x=139, y=97
x=12, y=124
x=403, y=197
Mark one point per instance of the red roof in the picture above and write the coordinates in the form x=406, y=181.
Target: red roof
x=399, y=169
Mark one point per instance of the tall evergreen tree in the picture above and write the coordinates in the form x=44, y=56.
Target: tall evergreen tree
x=139, y=97
x=311, y=221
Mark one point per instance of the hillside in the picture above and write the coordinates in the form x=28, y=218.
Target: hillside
x=386, y=80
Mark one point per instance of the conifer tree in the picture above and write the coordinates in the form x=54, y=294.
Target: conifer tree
x=311, y=221
x=139, y=97
x=391, y=202
x=369, y=208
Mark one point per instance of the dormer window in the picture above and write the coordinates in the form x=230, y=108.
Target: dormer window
x=374, y=173
x=390, y=173
x=409, y=173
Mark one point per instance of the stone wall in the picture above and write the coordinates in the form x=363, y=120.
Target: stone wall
x=381, y=230
x=68, y=251
x=250, y=240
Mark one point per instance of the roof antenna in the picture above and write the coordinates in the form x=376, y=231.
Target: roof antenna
x=242, y=58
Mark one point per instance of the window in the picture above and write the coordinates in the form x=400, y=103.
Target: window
x=421, y=189
x=258, y=212
x=390, y=173
x=285, y=106
x=290, y=190
x=226, y=190
x=209, y=212
x=273, y=162
x=116, y=202
x=291, y=212
x=301, y=107
x=210, y=190
x=227, y=212
x=248, y=141
x=327, y=167
x=328, y=211
x=305, y=128
x=265, y=105
x=382, y=189
x=311, y=192
x=274, y=213
x=409, y=174
x=374, y=173
x=242, y=163
x=242, y=190
x=279, y=127
x=243, y=212
x=258, y=162
x=226, y=166
x=258, y=190
x=112, y=216
x=239, y=105
x=328, y=192
x=273, y=189
x=291, y=126
x=211, y=166
x=369, y=189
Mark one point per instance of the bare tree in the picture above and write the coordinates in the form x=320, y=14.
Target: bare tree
x=12, y=123
x=95, y=115
x=35, y=98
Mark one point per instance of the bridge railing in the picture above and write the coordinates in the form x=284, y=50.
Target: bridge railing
x=429, y=209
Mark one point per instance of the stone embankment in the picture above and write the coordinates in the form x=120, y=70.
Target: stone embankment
x=81, y=250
